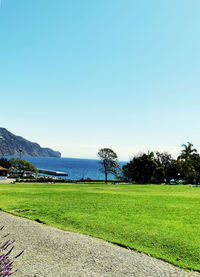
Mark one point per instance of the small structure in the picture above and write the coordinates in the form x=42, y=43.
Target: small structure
x=3, y=172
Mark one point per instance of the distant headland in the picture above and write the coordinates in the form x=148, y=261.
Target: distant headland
x=11, y=145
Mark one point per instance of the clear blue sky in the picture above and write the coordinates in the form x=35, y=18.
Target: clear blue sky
x=79, y=75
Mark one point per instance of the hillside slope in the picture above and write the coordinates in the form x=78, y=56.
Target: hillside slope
x=10, y=145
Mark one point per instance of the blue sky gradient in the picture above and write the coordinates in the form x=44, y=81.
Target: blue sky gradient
x=80, y=75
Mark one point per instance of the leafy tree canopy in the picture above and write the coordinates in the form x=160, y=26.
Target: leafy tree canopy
x=141, y=168
x=108, y=161
x=22, y=166
x=5, y=163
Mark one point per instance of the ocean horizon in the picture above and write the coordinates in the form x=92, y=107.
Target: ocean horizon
x=76, y=168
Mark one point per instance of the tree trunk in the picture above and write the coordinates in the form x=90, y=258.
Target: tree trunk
x=106, y=177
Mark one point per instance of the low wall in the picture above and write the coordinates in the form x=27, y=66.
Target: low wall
x=3, y=178
x=7, y=181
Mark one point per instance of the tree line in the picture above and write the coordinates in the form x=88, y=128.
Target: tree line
x=154, y=167
x=144, y=168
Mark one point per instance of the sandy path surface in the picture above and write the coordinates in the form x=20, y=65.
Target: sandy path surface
x=50, y=252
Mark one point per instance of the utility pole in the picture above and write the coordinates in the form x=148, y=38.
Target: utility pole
x=20, y=166
x=20, y=153
x=1, y=141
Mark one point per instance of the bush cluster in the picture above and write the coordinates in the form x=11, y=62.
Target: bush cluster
x=157, y=167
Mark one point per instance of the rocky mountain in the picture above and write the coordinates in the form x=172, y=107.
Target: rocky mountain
x=10, y=145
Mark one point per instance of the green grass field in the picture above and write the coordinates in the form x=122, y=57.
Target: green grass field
x=161, y=220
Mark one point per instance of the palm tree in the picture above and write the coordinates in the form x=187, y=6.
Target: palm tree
x=187, y=152
x=186, y=162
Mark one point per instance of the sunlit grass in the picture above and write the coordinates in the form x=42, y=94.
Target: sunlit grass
x=160, y=220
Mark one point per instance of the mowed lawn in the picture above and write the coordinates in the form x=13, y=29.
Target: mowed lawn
x=161, y=220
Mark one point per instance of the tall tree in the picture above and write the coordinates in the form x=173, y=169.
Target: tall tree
x=108, y=161
x=186, y=161
x=142, y=169
x=196, y=166
x=187, y=152
x=169, y=166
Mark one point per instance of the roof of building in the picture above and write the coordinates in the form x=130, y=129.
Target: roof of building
x=2, y=168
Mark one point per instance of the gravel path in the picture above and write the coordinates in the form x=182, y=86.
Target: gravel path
x=50, y=252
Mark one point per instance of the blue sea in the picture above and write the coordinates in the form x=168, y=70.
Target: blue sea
x=76, y=168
